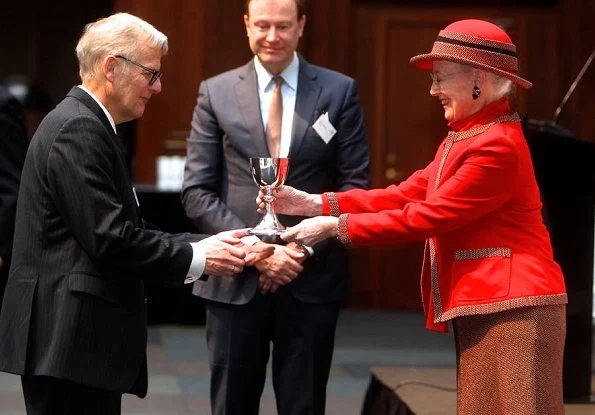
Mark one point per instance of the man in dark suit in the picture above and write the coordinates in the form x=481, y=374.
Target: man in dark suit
x=292, y=298
x=73, y=322
x=13, y=148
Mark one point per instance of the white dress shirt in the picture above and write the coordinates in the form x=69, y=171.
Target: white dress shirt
x=266, y=85
x=288, y=91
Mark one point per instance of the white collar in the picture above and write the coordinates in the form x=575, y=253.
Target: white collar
x=290, y=74
x=107, y=114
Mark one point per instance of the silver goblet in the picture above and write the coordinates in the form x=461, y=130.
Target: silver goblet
x=269, y=173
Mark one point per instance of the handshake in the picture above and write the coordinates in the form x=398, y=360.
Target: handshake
x=278, y=265
x=227, y=255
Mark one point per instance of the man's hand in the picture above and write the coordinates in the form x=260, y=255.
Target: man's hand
x=268, y=285
x=312, y=230
x=283, y=266
x=257, y=252
x=290, y=201
x=225, y=255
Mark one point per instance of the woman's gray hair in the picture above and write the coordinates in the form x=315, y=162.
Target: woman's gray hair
x=118, y=34
x=503, y=87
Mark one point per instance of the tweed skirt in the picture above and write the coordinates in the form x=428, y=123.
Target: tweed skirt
x=510, y=362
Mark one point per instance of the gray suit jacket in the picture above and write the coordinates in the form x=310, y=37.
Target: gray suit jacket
x=219, y=192
x=75, y=307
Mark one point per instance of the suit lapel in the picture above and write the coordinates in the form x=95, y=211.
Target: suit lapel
x=94, y=107
x=246, y=91
x=306, y=100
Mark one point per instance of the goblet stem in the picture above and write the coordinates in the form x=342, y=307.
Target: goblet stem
x=269, y=173
x=268, y=200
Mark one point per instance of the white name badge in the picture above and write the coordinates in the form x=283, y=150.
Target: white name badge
x=324, y=128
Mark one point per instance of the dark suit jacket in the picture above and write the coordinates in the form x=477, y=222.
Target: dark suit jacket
x=13, y=148
x=75, y=304
x=219, y=192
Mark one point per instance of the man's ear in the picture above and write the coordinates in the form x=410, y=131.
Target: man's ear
x=302, y=23
x=109, y=67
x=247, y=24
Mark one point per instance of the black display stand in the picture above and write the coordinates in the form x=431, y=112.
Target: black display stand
x=382, y=400
x=168, y=304
x=565, y=171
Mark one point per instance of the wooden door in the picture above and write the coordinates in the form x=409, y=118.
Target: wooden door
x=405, y=125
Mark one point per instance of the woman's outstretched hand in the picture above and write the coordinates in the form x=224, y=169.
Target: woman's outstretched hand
x=311, y=231
x=290, y=201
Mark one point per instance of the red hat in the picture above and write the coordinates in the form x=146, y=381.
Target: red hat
x=476, y=43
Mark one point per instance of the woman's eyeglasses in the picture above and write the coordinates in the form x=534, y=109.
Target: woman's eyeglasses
x=437, y=79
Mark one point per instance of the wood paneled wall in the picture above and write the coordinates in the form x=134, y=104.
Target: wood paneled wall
x=38, y=38
x=371, y=40
x=406, y=125
x=207, y=37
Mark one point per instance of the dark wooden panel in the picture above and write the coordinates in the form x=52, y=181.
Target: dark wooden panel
x=226, y=42
x=183, y=68
x=38, y=40
x=328, y=34
x=410, y=126
x=575, y=24
x=371, y=40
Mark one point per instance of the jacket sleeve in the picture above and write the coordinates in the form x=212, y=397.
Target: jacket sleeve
x=480, y=185
x=375, y=200
x=204, y=170
x=80, y=174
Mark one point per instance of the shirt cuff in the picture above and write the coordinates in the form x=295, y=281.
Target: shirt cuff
x=197, y=266
x=250, y=240
x=309, y=249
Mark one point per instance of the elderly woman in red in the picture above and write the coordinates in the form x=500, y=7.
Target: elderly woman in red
x=488, y=265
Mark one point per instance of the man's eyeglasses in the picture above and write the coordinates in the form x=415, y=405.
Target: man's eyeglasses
x=155, y=74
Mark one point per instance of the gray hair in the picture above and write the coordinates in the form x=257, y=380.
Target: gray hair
x=503, y=87
x=118, y=34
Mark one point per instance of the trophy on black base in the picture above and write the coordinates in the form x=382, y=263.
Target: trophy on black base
x=269, y=173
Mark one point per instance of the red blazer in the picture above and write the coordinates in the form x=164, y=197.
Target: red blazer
x=477, y=205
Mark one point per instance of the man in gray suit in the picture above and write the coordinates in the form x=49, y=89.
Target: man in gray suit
x=292, y=298
x=73, y=323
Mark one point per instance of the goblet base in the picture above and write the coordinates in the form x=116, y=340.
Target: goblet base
x=271, y=236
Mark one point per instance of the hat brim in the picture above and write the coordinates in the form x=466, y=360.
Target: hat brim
x=425, y=62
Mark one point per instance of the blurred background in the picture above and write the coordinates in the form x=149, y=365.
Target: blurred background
x=372, y=41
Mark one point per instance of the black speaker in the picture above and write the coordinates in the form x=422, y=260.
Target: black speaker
x=565, y=171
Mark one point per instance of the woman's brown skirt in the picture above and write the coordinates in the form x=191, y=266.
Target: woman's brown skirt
x=510, y=362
